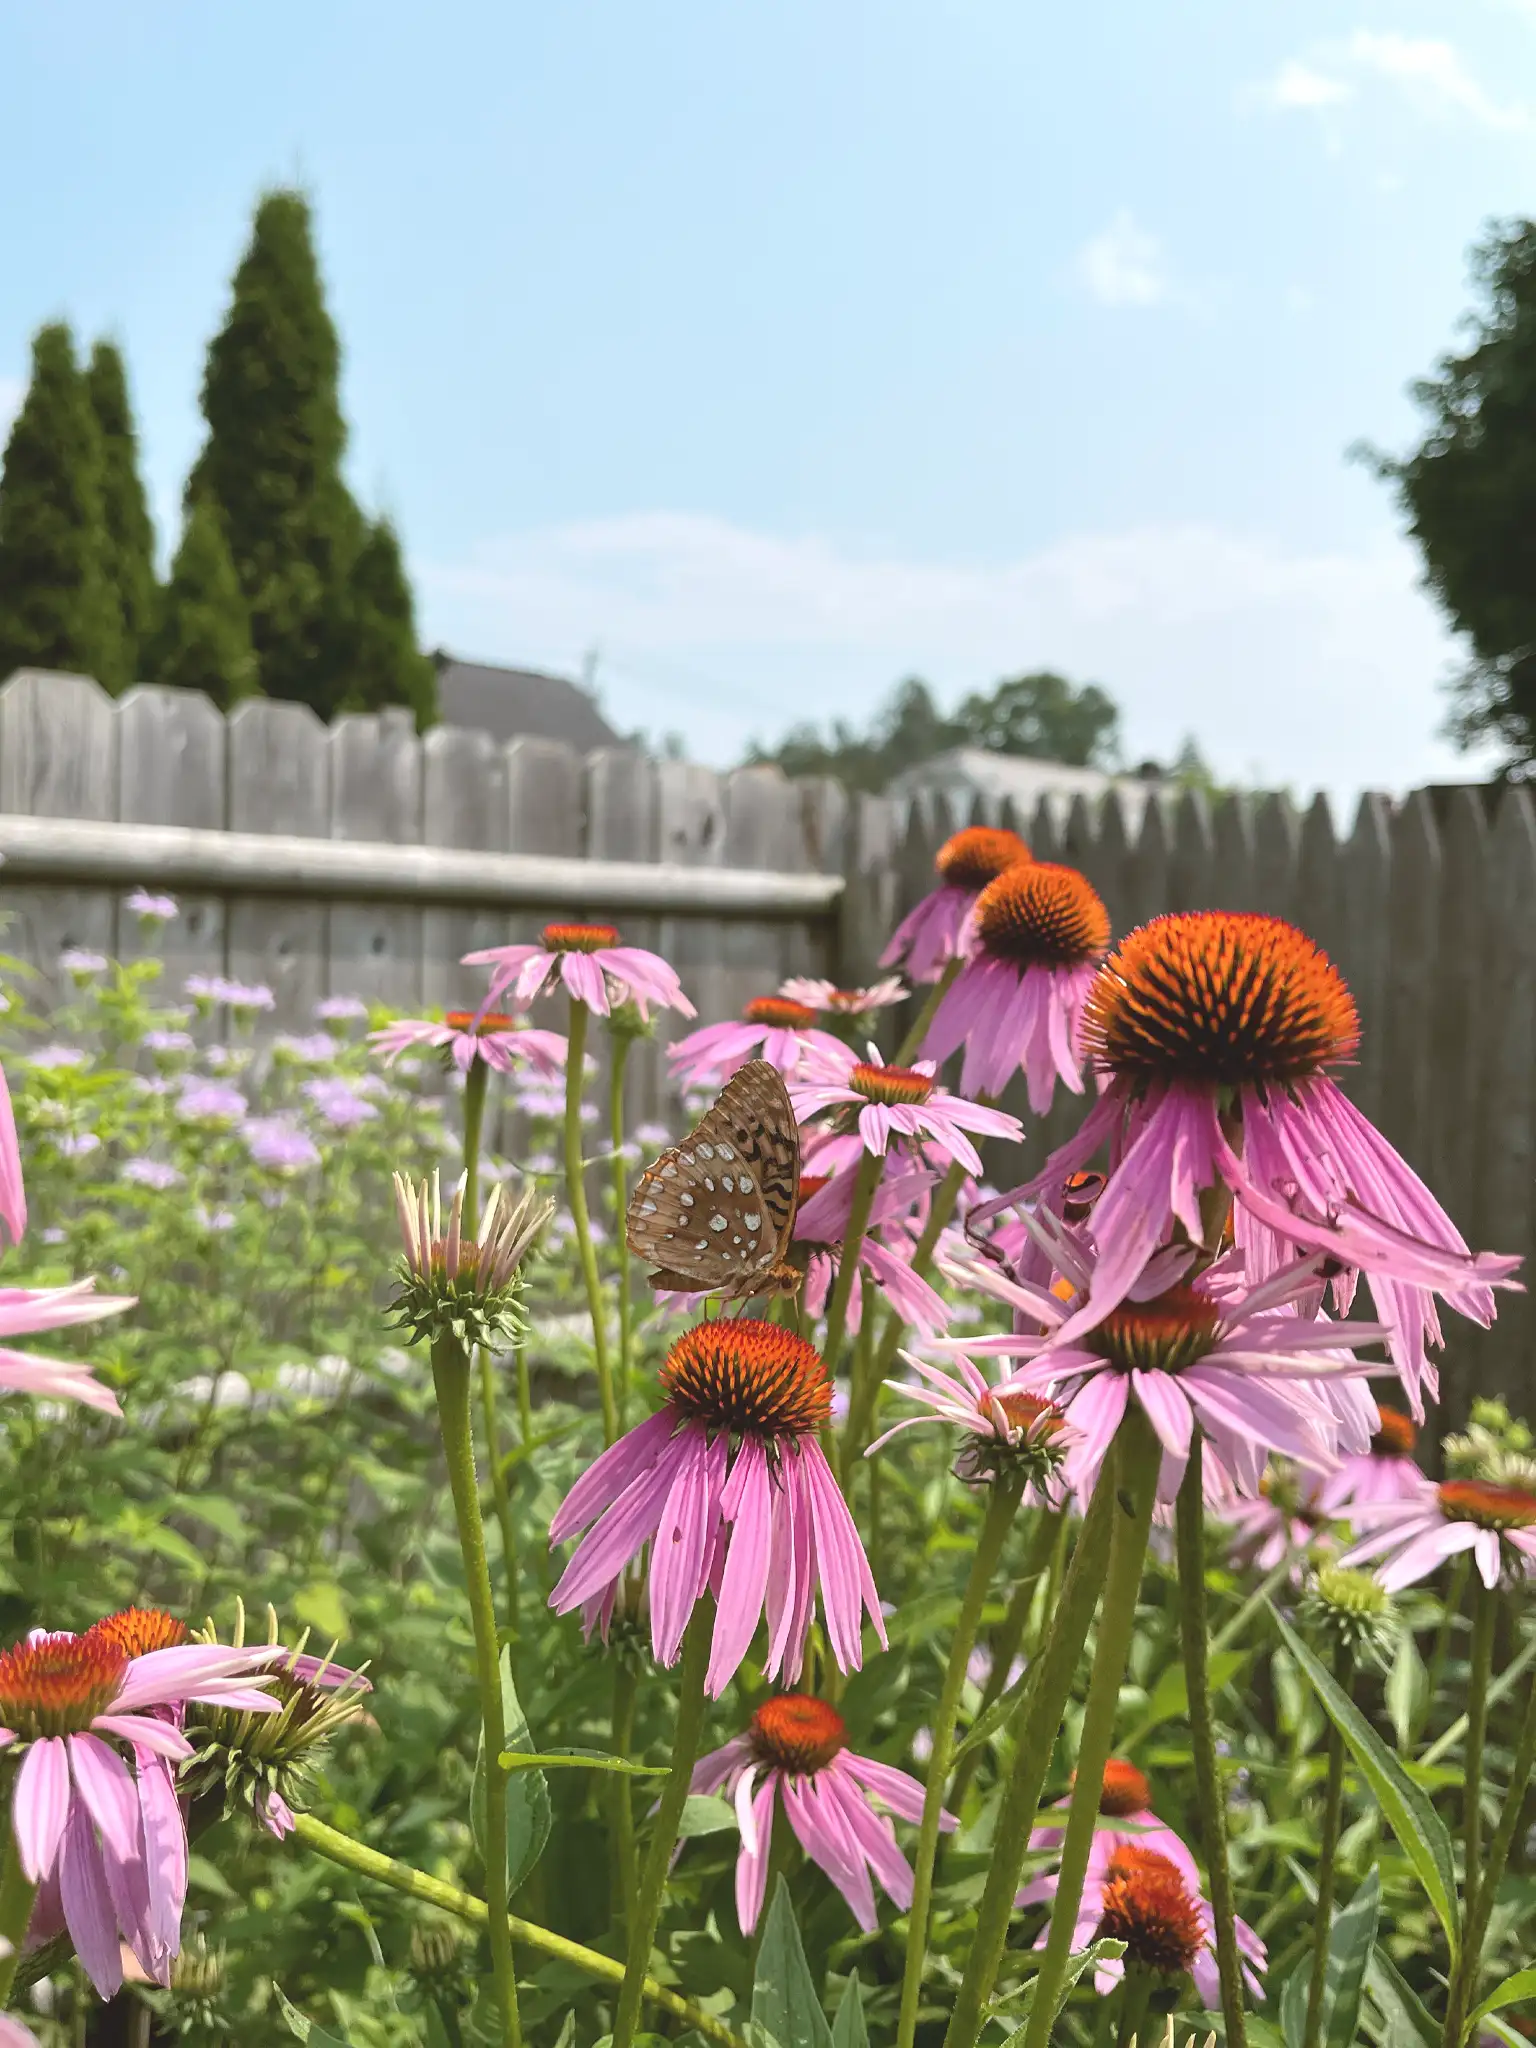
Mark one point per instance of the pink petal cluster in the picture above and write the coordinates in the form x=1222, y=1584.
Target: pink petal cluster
x=26, y=1310
x=590, y=964
x=901, y=1103
x=466, y=1039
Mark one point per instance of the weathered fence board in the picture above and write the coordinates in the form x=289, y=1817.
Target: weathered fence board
x=279, y=781
x=375, y=949
x=58, y=741
x=172, y=770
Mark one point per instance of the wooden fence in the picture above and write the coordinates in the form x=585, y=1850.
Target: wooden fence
x=1428, y=905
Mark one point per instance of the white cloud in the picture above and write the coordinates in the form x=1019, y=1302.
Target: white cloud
x=1298, y=85
x=1123, y=265
x=1426, y=71
x=1308, y=668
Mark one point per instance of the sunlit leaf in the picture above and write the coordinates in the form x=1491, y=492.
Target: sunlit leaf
x=526, y=1791
x=785, y=2009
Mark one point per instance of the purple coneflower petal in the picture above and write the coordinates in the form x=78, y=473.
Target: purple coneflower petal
x=746, y=1505
x=752, y=1866
x=40, y=1805
x=88, y=1904
x=611, y=1473
x=684, y=1540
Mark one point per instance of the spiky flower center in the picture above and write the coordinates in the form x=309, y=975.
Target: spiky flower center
x=579, y=938
x=780, y=1013
x=138, y=1630
x=1220, y=997
x=1030, y=1413
x=1040, y=915
x=1396, y=1435
x=58, y=1684
x=1125, y=1789
x=1149, y=1907
x=1350, y=1592
x=1281, y=1487
x=978, y=855
x=797, y=1732
x=1175, y=1329
x=892, y=1086
x=1490, y=1507
x=749, y=1377
x=480, y=1021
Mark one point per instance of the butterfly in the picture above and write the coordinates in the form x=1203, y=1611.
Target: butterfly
x=715, y=1213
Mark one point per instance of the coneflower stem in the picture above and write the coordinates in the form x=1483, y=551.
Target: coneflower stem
x=1007, y=1637
x=416, y=1884
x=1002, y=1504
x=450, y=1380
x=1327, y=1853
x=474, y=1120
x=1035, y=1726
x=1135, y=1997
x=1464, y=1979
x=1485, y=1610
x=619, y=1044
x=576, y=1195
x=912, y=1044
x=669, y=1813
x=1455, y=1593
x=17, y=1892
x=1210, y=1799
x=1136, y=1457
x=866, y=1181
x=623, y=1734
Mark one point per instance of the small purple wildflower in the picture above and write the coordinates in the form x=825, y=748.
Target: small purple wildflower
x=279, y=1145
x=168, y=1041
x=153, y=909
x=52, y=1235
x=208, y=989
x=48, y=1057
x=309, y=1047
x=652, y=1135
x=151, y=1173
x=82, y=963
x=79, y=1144
x=340, y=1009
x=214, y=1219
x=341, y=1106
x=213, y=1101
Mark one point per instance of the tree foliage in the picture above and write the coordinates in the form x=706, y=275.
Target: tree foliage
x=1041, y=715
x=204, y=638
x=128, y=532
x=1469, y=490
x=57, y=606
x=382, y=660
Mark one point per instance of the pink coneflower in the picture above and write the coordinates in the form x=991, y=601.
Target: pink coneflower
x=1284, y=1519
x=1032, y=945
x=106, y=1844
x=1419, y=1532
x=1210, y=1030
x=503, y=1042
x=14, y=2035
x=796, y=1751
x=26, y=1310
x=770, y=1028
x=13, y=1193
x=831, y=1001
x=729, y=1485
x=1387, y=1471
x=1004, y=1425
x=928, y=937
x=902, y=1102
x=1242, y=1364
x=821, y=1224
x=1143, y=1888
x=592, y=965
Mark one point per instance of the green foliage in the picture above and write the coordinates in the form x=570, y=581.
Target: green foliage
x=57, y=606
x=381, y=661
x=1469, y=490
x=128, y=531
x=786, y=2012
x=204, y=637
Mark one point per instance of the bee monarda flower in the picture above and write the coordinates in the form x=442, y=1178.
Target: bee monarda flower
x=728, y=1476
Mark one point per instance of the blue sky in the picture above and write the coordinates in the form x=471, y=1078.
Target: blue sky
x=766, y=353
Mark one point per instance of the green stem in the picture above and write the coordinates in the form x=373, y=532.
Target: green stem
x=1485, y=1610
x=1036, y=1724
x=864, y=1397
x=1002, y=1502
x=576, y=1195
x=1464, y=1979
x=624, y=1868
x=17, y=1892
x=1007, y=1637
x=1136, y=1456
x=1502, y=1685
x=1195, y=1625
x=450, y=1379
x=865, y=1182
x=1456, y=1592
x=912, y=1044
x=658, y=1855
x=474, y=1118
x=401, y=1877
x=1135, y=1997
x=475, y=1082
x=619, y=1045
x=1322, y=1931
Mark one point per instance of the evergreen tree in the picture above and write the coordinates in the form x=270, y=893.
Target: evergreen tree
x=272, y=460
x=57, y=608
x=381, y=663
x=130, y=536
x=203, y=641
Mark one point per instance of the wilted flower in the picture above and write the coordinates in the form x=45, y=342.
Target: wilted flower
x=796, y=1752
x=592, y=965
x=451, y=1282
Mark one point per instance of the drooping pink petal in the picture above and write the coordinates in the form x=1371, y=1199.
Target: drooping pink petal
x=169, y=1677
x=165, y=1852
x=746, y=1505
x=610, y=1473
x=872, y=1835
x=622, y=1532
x=821, y=1835
x=13, y=1194
x=684, y=1539
x=40, y=1805
x=752, y=1865
x=87, y=1904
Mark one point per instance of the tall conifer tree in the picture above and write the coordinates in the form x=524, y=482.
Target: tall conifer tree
x=382, y=661
x=203, y=641
x=130, y=534
x=57, y=607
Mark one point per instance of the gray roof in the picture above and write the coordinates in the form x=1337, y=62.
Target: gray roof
x=519, y=703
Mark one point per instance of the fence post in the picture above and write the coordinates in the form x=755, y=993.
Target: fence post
x=172, y=748
x=464, y=803
x=1362, y=930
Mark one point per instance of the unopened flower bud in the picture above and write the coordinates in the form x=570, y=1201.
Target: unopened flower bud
x=1352, y=1613
x=625, y=1021
x=196, y=1974
x=453, y=1283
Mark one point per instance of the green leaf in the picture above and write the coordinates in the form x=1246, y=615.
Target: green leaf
x=1405, y=1807
x=1260, y=2033
x=1400, y=2006
x=576, y=1760
x=304, y=2027
x=1407, y=1690
x=705, y=1814
x=1169, y=1698
x=785, y=2008
x=996, y=1717
x=1089, y=1958
x=1293, y=2004
x=1521, y=1985
x=1351, y=1943
x=526, y=1791
x=848, y=2029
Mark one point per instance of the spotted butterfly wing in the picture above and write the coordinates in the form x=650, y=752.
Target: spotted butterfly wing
x=714, y=1214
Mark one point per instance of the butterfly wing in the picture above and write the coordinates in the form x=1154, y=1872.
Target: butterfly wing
x=715, y=1212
